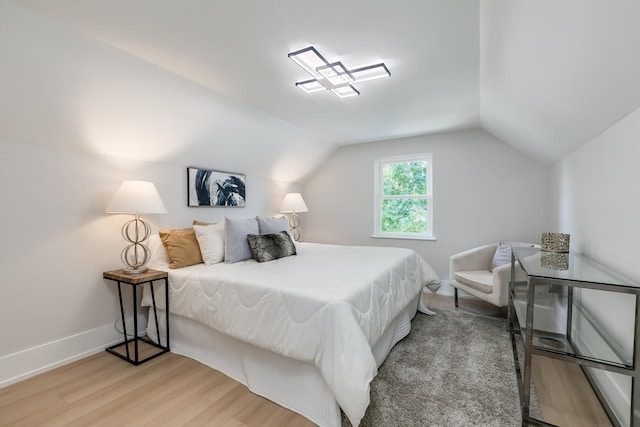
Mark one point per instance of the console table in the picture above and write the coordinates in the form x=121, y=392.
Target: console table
x=542, y=320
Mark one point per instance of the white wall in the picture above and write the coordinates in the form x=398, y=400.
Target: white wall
x=77, y=117
x=598, y=203
x=484, y=191
x=599, y=198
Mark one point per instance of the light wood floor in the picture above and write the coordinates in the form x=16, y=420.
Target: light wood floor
x=172, y=390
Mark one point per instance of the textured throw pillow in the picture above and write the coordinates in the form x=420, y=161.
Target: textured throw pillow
x=269, y=247
x=181, y=246
x=211, y=242
x=236, y=247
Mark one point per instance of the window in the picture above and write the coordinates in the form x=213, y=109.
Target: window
x=403, y=197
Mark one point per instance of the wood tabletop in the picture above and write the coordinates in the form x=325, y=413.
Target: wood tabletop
x=134, y=279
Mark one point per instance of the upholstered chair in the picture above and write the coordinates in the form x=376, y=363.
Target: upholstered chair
x=483, y=272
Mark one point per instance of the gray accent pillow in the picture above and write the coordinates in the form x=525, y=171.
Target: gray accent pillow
x=269, y=247
x=502, y=255
x=268, y=225
x=236, y=247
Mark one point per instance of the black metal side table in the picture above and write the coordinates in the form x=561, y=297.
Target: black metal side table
x=136, y=280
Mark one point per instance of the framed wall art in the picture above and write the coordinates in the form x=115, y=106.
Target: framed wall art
x=211, y=188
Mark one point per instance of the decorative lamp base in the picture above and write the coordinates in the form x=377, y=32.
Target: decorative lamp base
x=294, y=224
x=135, y=255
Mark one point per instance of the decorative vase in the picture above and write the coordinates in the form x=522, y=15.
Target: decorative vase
x=555, y=242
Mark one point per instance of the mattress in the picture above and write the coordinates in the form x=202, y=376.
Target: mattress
x=327, y=306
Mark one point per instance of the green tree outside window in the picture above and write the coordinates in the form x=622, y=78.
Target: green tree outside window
x=404, y=196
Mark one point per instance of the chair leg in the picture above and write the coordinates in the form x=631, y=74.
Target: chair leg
x=455, y=296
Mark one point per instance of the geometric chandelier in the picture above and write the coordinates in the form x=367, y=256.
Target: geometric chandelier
x=333, y=76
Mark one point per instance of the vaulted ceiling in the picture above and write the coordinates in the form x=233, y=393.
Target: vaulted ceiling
x=545, y=77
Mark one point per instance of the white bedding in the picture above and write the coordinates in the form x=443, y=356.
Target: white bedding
x=327, y=306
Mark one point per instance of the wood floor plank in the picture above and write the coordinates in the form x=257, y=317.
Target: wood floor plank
x=284, y=417
x=227, y=407
x=234, y=423
x=67, y=375
x=167, y=415
x=258, y=409
x=175, y=393
x=562, y=402
x=125, y=399
x=93, y=381
x=23, y=413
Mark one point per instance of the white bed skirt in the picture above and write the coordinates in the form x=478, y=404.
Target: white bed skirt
x=293, y=384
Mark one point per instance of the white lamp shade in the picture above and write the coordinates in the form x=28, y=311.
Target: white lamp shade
x=137, y=197
x=293, y=202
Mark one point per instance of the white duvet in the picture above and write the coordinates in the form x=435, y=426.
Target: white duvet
x=327, y=305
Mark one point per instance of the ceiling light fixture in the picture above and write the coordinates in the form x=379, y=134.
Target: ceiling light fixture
x=333, y=76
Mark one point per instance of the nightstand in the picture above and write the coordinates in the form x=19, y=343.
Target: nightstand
x=136, y=280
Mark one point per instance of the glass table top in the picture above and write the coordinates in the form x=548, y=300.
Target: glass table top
x=568, y=266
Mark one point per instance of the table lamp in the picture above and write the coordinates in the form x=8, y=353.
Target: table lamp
x=136, y=197
x=294, y=203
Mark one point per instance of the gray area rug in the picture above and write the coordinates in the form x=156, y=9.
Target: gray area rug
x=453, y=369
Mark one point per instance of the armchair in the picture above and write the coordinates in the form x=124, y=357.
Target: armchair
x=471, y=271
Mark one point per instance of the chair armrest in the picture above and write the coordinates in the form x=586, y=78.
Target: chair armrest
x=501, y=279
x=473, y=259
x=502, y=273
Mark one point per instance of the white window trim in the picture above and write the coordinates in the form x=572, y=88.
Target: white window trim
x=377, y=197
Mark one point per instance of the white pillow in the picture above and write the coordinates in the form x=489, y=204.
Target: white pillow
x=211, y=241
x=157, y=253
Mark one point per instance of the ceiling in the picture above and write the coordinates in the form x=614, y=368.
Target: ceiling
x=545, y=77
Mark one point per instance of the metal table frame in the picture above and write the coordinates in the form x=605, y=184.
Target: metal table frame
x=136, y=280
x=524, y=375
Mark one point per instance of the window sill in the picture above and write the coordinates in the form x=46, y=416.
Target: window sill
x=402, y=237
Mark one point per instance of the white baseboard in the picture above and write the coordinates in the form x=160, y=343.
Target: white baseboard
x=447, y=290
x=36, y=360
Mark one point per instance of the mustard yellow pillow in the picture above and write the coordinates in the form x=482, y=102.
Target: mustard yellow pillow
x=181, y=246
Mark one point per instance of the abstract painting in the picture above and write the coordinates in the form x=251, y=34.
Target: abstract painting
x=214, y=188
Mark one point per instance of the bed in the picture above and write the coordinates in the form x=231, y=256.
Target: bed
x=307, y=331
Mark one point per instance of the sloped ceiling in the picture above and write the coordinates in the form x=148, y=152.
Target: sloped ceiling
x=545, y=77
x=555, y=74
